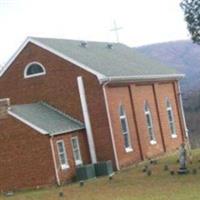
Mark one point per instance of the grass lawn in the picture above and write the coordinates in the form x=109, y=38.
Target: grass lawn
x=129, y=184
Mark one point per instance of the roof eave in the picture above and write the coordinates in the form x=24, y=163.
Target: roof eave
x=55, y=52
x=40, y=130
x=142, y=78
x=66, y=131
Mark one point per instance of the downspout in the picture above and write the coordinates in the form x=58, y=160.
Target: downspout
x=87, y=119
x=188, y=146
x=54, y=160
x=110, y=126
x=182, y=111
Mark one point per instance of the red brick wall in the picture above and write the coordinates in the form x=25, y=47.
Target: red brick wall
x=117, y=96
x=133, y=96
x=25, y=157
x=142, y=93
x=59, y=88
x=69, y=174
x=99, y=120
x=167, y=90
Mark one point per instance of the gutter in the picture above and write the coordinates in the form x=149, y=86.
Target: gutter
x=141, y=78
x=110, y=125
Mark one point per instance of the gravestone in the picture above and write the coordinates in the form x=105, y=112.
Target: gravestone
x=182, y=160
x=166, y=167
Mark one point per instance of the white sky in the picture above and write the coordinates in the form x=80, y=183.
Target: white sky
x=143, y=21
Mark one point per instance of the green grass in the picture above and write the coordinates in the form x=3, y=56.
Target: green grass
x=129, y=184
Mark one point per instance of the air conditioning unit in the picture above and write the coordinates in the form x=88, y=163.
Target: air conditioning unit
x=84, y=172
x=103, y=168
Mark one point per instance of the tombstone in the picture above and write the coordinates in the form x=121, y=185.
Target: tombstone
x=182, y=160
x=194, y=171
x=149, y=173
x=81, y=183
x=61, y=194
x=110, y=177
x=166, y=167
x=145, y=168
x=9, y=193
x=153, y=162
x=172, y=172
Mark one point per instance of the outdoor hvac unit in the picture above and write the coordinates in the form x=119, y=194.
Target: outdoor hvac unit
x=103, y=168
x=85, y=172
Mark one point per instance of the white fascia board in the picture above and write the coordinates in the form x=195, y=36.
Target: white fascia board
x=10, y=61
x=29, y=39
x=141, y=78
x=65, y=131
x=27, y=123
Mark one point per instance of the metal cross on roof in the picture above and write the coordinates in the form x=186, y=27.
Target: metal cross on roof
x=116, y=29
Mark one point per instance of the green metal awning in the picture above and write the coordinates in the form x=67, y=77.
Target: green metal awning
x=45, y=118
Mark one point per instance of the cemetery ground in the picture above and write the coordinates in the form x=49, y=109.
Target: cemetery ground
x=155, y=182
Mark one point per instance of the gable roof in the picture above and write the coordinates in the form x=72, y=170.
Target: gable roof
x=118, y=62
x=45, y=118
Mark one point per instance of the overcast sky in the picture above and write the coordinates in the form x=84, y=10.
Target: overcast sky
x=143, y=21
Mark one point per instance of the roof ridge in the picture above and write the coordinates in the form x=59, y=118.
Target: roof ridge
x=73, y=39
x=62, y=113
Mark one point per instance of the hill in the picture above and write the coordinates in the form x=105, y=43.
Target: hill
x=183, y=55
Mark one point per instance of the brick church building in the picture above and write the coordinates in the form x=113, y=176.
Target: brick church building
x=65, y=103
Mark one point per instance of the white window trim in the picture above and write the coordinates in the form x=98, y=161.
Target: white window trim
x=77, y=162
x=66, y=165
x=34, y=75
x=148, y=112
x=174, y=136
x=129, y=148
x=169, y=108
x=153, y=142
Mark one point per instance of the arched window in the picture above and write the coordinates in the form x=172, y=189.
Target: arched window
x=124, y=128
x=149, y=123
x=170, y=116
x=34, y=69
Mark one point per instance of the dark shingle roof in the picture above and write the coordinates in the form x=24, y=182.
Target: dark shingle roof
x=120, y=60
x=46, y=118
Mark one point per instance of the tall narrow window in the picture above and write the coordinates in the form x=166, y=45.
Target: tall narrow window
x=125, y=129
x=62, y=154
x=170, y=116
x=76, y=151
x=149, y=123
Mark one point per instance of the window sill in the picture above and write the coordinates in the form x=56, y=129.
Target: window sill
x=129, y=149
x=64, y=167
x=153, y=142
x=34, y=75
x=78, y=162
x=174, y=136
